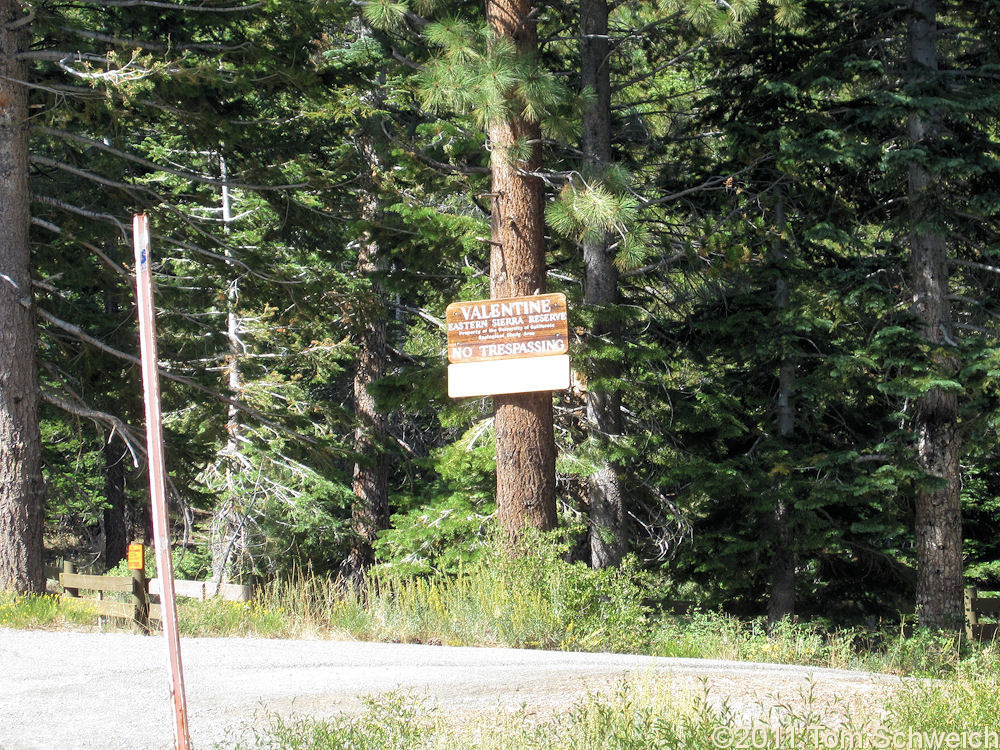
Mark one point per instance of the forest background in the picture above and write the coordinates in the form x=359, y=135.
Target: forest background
x=776, y=225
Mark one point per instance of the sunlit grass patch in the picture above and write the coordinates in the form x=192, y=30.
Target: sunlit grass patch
x=646, y=714
x=639, y=715
x=534, y=601
x=528, y=602
x=714, y=635
x=216, y=617
x=43, y=611
x=720, y=636
x=391, y=721
x=969, y=701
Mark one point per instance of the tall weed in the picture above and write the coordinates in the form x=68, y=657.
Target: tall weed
x=531, y=601
x=634, y=717
x=967, y=702
x=235, y=619
x=714, y=635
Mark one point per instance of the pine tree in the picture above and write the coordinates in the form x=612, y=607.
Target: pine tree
x=526, y=453
x=370, y=513
x=494, y=74
x=938, y=506
x=131, y=121
x=768, y=452
x=20, y=470
x=930, y=104
x=608, y=532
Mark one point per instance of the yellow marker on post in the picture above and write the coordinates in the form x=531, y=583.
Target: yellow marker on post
x=136, y=556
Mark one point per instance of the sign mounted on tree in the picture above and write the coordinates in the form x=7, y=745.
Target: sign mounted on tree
x=515, y=345
x=507, y=328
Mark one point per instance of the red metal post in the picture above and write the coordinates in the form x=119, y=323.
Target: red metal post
x=157, y=475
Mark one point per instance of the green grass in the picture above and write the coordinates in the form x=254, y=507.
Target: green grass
x=524, y=603
x=633, y=717
x=967, y=701
x=42, y=612
x=217, y=617
x=537, y=601
x=726, y=637
x=646, y=715
x=720, y=636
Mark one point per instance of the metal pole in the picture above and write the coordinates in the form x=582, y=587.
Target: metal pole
x=157, y=475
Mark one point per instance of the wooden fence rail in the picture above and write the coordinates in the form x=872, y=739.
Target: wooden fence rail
x=139, y=610
x=976, y=605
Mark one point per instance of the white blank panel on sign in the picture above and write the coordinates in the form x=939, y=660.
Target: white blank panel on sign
x=508, y=376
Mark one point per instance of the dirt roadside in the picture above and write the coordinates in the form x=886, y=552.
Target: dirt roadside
x=109, y=690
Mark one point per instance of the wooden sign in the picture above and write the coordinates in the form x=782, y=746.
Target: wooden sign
x=513, y=328
x=136, y=556
x=514, y=345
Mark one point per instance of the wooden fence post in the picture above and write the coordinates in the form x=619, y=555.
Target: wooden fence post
x=971, y=616
x=69, y=569
x=140, y=600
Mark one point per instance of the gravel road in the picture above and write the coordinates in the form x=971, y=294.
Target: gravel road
x=62, y=690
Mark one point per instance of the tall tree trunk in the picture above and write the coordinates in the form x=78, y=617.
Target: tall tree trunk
x=370, y=513
x=781, y=601
x=938, y=504
x=605, y=500
x=113, y=519
x=525, y=442
x=139, y=521
x=21, y=514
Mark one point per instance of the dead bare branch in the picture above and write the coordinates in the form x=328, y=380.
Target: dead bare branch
x=187, y=175
x=203, y=8
x=85, y=337
x=131, y=440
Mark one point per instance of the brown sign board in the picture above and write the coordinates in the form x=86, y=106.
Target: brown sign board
x=511, y=328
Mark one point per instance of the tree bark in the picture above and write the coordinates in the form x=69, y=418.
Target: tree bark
x=781, y=601
x=139, y=522
x=21, y=514
x=605, y=500
x=114, y=520
x=938, y=503
x=114, y=517
x=525, y=441
x=370, y=513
